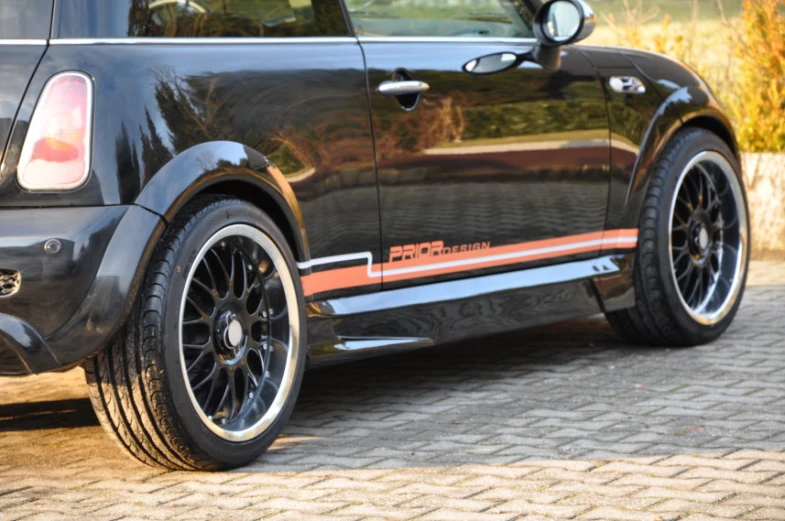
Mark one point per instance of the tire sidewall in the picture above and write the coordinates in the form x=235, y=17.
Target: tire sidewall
x=211, y=219
x=697, y=332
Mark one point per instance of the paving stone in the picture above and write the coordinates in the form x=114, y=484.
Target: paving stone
x=624, y=503
x=306, y=507
x=624, y=467
x=714, y=461
x=716, y=510
x=766, y=490
x=465, y=505
x=461, y=515
x=610, y=513
x=649, y=481
x=395, y=513
x=576, y=487
x=526, y=507
x=557, y=422
x=692, y=517
x=767, y=514
x=686, y=495
x=443, y=491
x=739, y=476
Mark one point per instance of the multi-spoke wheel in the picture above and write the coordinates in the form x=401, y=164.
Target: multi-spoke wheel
x=235, y=333
x=708, y=227
x=211, y=364
x=693, y=249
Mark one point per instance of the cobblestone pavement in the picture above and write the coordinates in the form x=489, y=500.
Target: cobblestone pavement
x=559, y=422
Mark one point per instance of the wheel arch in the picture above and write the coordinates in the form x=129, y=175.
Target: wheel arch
x=262, y=199
x=687, y=107
x=714, y=124
x=230, y=169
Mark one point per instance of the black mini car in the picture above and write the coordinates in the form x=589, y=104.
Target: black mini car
x=201, y=198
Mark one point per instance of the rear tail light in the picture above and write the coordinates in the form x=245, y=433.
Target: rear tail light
x=56, y=153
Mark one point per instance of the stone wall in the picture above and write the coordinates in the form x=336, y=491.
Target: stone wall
x=764, y=175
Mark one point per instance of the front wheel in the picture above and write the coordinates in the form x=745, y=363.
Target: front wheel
x=210, y=365
x=693, y=251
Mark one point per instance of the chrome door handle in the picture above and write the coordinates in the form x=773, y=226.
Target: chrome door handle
x=402, y=88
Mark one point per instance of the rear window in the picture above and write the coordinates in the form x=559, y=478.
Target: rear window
x=227, y=18
x=199, y=18
x=25, y=19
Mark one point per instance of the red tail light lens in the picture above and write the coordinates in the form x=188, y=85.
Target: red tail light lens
x=56, y=153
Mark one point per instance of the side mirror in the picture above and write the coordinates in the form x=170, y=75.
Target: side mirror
x=561, y=22
x=558, y=23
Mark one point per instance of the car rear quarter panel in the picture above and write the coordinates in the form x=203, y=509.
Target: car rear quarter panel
x=291, y=119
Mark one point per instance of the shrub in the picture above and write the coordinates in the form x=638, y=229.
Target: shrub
x=745, y=64
x=636, y=30
x=678, y=40
x=758, y=100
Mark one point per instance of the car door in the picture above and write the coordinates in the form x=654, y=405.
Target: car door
x=479, y=173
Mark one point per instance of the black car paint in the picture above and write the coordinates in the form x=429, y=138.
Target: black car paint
x=408, y=318
x=642, y=125
x=16, y=68
x=82, y=235
x=521, y=156
x=101, y=312
x=298, y=141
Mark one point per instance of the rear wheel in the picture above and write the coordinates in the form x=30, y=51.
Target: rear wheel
x=209, y=368
x=693, y=251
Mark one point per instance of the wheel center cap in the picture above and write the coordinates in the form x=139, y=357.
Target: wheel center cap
x=703, y=238
x=233, y=334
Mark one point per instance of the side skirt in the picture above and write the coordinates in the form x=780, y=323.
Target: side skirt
x=363, y=326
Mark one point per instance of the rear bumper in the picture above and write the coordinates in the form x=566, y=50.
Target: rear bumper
x=75, y=294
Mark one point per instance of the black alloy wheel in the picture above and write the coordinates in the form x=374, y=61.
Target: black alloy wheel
x=707, y=243
x=209, y=367
x=235, y=333
x=693, y=246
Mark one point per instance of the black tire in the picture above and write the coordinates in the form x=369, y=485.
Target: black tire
x=663, y=315
x=139, y=385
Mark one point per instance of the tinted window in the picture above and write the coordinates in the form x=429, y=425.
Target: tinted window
x=25, y=19
x=199, y=18
x=474, y=18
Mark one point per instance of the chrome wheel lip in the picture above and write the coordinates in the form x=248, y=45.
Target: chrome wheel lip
x=700, y=315
x=290, y=292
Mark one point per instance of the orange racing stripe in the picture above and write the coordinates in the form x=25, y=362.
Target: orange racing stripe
x=364, y=275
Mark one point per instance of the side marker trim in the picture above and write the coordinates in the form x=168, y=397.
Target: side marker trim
x=370, y=273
